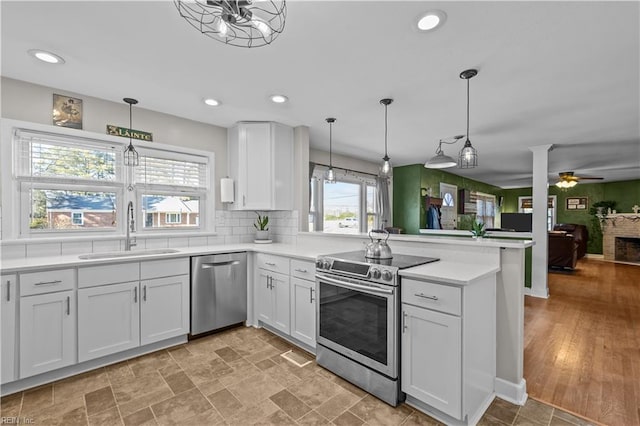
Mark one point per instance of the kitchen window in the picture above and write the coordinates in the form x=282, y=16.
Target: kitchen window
x=68, y=183
x=486, y=206
x=346, y=207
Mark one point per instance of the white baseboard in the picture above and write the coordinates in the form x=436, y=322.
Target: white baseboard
x=594, y=256
x=511, y=392
x=530, y=292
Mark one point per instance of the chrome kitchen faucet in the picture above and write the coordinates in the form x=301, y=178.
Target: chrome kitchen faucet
x=131, y=227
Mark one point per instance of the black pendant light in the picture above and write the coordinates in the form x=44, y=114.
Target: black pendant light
x=330, y=175
x=468, y=157
x=385, y=168
x=130, y=153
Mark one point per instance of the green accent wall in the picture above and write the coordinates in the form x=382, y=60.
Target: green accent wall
x=625, y=193
x=408, y=202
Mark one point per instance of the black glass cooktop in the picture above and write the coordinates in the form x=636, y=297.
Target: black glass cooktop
x=400, y=261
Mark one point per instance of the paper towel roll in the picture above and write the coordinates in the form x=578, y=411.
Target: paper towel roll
x=226, y=190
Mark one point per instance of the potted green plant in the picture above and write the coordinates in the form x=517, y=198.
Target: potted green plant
x=262, y=227
x=599, y=211
x=477, y=230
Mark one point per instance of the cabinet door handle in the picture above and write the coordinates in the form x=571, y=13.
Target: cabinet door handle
x=8, y=290
x=270, y=263
x=49, y=282
x=304, y=271
x=135, y=295
x=404, y=322
x=424, y=296
x=271, y=282
x=144, y=293
x=244, y=200
x=311, y=290
x=68, y=305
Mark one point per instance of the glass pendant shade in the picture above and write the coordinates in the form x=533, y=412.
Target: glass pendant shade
x=565, y=184
x=386, y=167
x=468, y=157
x=330, y=175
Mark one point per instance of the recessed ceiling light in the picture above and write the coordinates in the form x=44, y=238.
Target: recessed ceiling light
x=44, y=56
x=211, y=102
x=431, y=20
x=279, y=99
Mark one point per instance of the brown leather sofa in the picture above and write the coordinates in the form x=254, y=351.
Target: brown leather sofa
x=580, y=234
x=563, y=250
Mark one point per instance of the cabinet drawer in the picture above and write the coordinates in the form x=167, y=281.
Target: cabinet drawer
x=273, y=263
x=164, y=268
x=93, y=276
x=432, y=296
x=47, y=281
x=303, y=269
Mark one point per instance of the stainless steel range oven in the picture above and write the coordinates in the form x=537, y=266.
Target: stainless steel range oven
x=358, y=319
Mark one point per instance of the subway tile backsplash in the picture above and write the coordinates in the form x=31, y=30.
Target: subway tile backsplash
x=232, y=227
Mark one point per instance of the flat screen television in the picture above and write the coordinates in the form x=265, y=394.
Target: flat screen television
x=519, y=222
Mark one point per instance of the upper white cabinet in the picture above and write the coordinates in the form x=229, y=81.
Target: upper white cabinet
x=260, y=156
x=8, y=308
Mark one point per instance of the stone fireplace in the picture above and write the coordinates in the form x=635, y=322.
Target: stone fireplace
x=621, y=237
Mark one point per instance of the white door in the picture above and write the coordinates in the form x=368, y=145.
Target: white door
x=47, y=332
x=263, y=296
x=164, y=308
x=431, y=359
x=255, y=149
x=449, y=209
x=281, y=305
x=108, y=320
x=8, y=307
x=303, y=311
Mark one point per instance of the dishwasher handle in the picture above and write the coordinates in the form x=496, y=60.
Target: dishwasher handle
x=209, y=265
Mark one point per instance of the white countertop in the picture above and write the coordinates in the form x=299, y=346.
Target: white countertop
x=449, y=272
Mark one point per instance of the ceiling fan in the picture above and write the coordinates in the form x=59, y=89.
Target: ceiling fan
x=569, y=179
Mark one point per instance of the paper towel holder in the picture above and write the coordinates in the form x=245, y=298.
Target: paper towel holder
x=226, y=190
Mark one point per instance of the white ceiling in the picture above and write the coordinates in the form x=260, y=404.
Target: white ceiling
x=561, y=73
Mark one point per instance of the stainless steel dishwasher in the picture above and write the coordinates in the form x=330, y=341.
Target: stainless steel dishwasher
x=218, y=291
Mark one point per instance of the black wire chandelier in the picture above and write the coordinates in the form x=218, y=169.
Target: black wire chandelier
x=242, y=23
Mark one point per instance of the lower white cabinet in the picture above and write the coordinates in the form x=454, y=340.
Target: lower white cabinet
x=8, y=303
x=164, y=309
x=303, y=311
x=47, y=332
x=108, y=320
x=272, y=293
x=431, y=358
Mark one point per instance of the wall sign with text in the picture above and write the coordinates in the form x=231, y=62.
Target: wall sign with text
x=125, y=133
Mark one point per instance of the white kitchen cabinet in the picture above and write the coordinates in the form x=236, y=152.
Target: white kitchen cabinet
x=164, y=308
x=448, y=353
x=260, y=161
x=431, y=358
x=8, y=304
x=303, y=311
x=273, y=298
x=108, y=319
x=47, y=332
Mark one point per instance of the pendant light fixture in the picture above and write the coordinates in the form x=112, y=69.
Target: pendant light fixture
x=468, y=157
x=130, y=153
x=330, y=175
x=242, y=23
x=441, y=160
x=385, y=168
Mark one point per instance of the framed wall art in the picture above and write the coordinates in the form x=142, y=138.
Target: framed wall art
x=577, y=203
x=67, y=111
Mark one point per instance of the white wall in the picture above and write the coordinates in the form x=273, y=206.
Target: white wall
x=34, y=103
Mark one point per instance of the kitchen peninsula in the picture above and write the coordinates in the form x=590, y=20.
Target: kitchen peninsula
x=461, y=260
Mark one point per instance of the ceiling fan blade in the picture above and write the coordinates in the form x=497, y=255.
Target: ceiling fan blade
x=587, y=178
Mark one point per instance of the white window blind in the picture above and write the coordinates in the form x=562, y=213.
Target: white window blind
x=50, y=157
x=186, y=172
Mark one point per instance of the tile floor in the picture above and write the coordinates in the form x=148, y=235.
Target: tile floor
x=237, y=377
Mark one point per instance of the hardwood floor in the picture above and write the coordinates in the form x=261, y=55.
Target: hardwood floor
x=582, y=345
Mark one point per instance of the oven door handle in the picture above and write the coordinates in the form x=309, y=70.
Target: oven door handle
x=354, y=286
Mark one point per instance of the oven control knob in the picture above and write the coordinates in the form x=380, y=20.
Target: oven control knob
x=375, y=273
x=319, y=263
x=326, y=264
x=387, y=275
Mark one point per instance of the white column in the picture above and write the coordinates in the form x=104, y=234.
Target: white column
x=301, y=176
x=539, y=259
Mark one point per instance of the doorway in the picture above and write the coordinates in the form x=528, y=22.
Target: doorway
x=449, y=209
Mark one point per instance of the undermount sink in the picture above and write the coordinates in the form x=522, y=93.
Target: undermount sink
x=127, y=253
